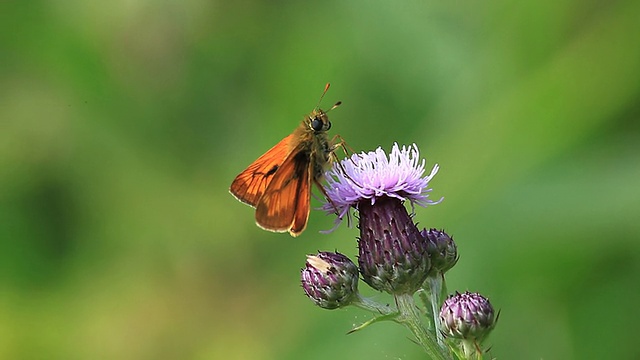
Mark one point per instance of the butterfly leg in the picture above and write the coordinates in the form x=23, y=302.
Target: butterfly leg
x=338, y=142
x=335, y=208
x=326, y=196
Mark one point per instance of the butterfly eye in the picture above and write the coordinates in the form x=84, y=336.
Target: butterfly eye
x=317, y=124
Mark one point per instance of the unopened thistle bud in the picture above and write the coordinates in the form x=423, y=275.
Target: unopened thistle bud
x=468, y=316
x=442, y=250
x=330, y=280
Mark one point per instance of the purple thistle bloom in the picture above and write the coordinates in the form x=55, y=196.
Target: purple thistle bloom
x=373, y=175
x=393, y=255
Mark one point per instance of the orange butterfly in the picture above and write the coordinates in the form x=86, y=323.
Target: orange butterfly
x=278, y=183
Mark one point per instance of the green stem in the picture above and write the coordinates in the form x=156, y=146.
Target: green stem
x=470, y=350
x=424, y=296
x=436, y=284
x=410, y=318
x=374, y=307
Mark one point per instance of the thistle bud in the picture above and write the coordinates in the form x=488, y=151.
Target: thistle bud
x=330, y=280
x=442, y=250
x=468, y=316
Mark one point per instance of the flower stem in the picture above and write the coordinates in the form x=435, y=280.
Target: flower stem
x=471, y=350
x=409, y=317
x=435, y=288
x=370, y=305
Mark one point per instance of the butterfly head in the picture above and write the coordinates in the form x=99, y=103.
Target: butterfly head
x=319, y=121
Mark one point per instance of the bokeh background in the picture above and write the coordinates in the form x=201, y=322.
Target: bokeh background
x=122, y=124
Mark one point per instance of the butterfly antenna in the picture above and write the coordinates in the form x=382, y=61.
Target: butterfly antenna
x=326, y=87
x=334, y=106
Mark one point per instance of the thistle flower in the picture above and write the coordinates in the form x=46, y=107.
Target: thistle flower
x=330, y=280
x=467, y=316
x=393, y=254
x=368, y=176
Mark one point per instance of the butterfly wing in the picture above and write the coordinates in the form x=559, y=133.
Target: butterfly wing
x=285, y=204
x=251, y=184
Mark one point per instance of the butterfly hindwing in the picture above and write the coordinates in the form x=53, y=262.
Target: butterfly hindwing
x=301, y=216
x=285, y=204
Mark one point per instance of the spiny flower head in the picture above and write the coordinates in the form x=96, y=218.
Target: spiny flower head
x=330, y=279
x=442, y=250
x=393, y=254
x=468, y=316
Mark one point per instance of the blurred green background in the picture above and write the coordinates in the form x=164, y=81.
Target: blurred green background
x=123, y=123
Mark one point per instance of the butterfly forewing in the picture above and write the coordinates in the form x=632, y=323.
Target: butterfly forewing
x=251, y=184
x=285, y=203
